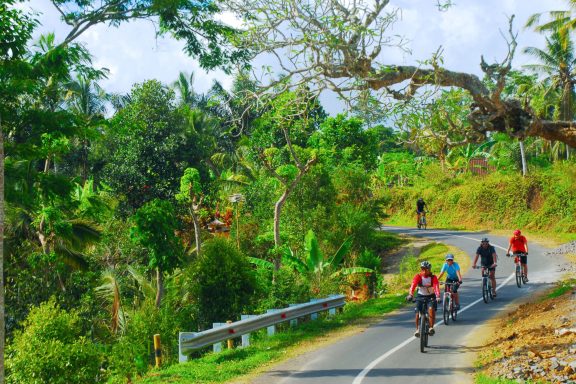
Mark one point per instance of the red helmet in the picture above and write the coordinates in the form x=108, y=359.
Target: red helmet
x=517, y=232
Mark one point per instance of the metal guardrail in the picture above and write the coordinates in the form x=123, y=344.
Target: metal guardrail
x=188, y=341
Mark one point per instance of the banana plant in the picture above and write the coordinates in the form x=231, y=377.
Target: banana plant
x=316, y=263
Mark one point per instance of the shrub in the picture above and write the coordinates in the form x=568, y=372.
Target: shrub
x=223, y=282
x=52, y=349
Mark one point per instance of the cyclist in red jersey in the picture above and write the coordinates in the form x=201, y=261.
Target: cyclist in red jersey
x=519, y=245
x=428, y=287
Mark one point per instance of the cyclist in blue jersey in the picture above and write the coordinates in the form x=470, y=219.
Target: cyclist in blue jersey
x=453, y=275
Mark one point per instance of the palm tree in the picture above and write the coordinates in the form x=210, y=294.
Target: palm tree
x=185, y=87
x=557, y=61
x=87, y=100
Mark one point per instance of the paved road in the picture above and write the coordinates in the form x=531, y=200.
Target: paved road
x=387, y=353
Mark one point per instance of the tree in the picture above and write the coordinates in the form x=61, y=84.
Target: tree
x=194, y=22
x=338, y=47
x=439, y=126
x=342, y=140
x=223, y=282
x=15, y=30
x=191, y=193
x=154, y=226
x=278, y=141
x=558, y=65
x=149, y=146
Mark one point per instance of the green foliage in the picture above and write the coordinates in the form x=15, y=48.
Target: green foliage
x=154, y=226
x=149, y=146
x=52, y=348
x=289, y=287
x=224, y=282
x=541, y=201
x=189, y=185
x=342, y=140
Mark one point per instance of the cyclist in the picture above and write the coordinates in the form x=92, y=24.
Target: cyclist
x=519, y=245
x=452, y=270
x=428, y=288
x=488, y=260
x=420, y=206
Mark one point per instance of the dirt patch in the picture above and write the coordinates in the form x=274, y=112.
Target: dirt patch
x=535, y=342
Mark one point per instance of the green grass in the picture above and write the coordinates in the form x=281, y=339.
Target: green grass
x=230, y=364
x=561, y=288
x=483, y=379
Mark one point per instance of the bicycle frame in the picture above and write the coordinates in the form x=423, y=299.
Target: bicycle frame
x=424, y=322
x=449, y=308
x=520, y=277
x=422, y=220
x=486, y=285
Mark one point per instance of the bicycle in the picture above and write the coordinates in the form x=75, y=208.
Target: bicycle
x=520, y=277
x=449, y=309
x=487, y=292
x=424, y=324
x=422, y=220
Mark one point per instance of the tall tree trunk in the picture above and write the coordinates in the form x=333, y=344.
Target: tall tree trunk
x=159, y=287
x=2, y=300
x=523, y=156
x=196, y=230
x=277, y=212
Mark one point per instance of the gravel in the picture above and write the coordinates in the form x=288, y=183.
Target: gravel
x=564, y=249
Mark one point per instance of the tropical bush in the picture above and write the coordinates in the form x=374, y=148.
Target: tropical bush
x=52, y=348
x=224, y=282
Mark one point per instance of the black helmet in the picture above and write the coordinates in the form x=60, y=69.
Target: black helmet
x=425, y=264
x=485, y=240
x=420, y=199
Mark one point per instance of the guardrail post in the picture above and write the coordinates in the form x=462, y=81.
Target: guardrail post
x=314, y=316
x=157, y=350
x=230, y=341
x=271, y=330
x=332, y=311
x=218, y=346
x=293, y=322
x=246, y=337
x=182, y=337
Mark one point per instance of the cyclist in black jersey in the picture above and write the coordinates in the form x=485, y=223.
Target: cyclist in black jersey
x=488, y=259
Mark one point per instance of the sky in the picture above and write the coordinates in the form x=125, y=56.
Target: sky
x=467, y=30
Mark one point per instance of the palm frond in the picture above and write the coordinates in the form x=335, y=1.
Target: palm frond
x=147, y=287
x=74, y=259
x=110, y=291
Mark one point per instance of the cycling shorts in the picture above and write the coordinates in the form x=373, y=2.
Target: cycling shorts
x=489, y=268
x=420, y=302
x=523, y=257
x=454, y=287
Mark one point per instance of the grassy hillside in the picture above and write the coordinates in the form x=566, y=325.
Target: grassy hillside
x=544, y=201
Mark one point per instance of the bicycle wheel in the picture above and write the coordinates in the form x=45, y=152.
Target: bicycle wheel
x=446, y=309
x=423, y=332
x=485, y=294
x=427, y=326
x=454, y=312
x=490, y=289
x=519, y=276
x=424, y=224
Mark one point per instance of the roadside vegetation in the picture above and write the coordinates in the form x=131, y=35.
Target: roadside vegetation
x=165, y=209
